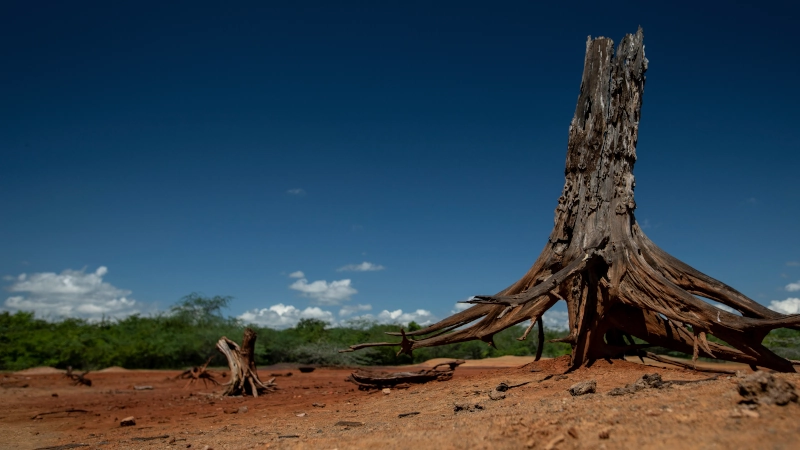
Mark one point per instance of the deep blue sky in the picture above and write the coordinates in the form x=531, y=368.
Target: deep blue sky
x=163, y=142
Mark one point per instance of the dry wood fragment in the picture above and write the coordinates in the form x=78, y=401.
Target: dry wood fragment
x=63, y=447
x=149, y=438
x=70, y=410
x=615, y=281
x=502, y=387
x=241, y=360
x=367, y=380
x=347, y=423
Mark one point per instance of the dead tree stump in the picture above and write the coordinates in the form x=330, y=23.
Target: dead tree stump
x=241, y=360
x=615, y=281
x=78, y=378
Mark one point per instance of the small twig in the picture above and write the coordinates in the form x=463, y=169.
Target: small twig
x=502, y=387
x=414, y=413
x=71, y=410
x=150, y=438
x=62, y=447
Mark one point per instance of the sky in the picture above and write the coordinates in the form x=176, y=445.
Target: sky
x=386, y=160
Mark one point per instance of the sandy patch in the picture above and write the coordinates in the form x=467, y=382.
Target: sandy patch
x=113, y=369
x=40, y=371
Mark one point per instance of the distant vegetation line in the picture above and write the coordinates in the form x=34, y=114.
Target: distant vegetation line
x=186, y=336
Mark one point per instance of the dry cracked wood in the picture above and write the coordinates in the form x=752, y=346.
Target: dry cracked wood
x=615, y=281
x=241, y=360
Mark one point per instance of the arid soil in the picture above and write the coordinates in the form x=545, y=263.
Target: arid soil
x=541, y=414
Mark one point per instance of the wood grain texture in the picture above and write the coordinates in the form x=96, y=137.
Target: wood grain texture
x=244, y=376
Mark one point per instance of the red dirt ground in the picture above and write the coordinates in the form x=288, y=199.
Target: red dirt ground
x=540, y=415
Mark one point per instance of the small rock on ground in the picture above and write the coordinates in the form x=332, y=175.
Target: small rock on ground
x=763, y=388
x=470, y=407
x=127, y=422
x=583, y=388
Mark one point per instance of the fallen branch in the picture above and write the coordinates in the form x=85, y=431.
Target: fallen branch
x=682, y=382
x=62, y=447
x=684, y=365
x=367, y=380
x=150, y=438
x=71, y=410
x=502, y=387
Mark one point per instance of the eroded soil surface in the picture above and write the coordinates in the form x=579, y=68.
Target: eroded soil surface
x=541, y=414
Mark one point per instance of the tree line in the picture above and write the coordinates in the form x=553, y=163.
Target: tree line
x=186, y=335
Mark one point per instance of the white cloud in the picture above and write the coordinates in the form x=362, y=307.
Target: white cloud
x=793, y=287
x=363, y=267
x=420, y=316
x=349, y=310
x=296, y=191
x=789, y=306
x=558, y=320
x=458, y=307
x=284, y=316
x=72, y=293
x=323, y=292
x=723, y=307
x=298, y=274
x=793, y=263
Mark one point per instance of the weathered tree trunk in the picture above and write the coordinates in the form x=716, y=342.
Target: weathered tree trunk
x=615, y=281
x=244, y=376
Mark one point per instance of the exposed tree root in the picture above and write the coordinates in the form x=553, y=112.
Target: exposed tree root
x=616, y=283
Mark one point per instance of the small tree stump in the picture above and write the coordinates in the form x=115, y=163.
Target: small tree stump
x=244, y=376
x=198, y=373
x=78, y=378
